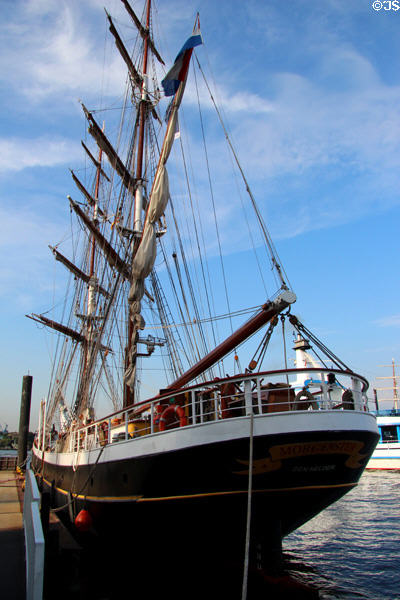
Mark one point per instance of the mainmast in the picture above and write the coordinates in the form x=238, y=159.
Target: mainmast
x=137, y=224
x=138, y=206
x=145, y=245
x=93, y=240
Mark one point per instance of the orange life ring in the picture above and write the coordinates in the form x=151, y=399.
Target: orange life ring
x=167, y=418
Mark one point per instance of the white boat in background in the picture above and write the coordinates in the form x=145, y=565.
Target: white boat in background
x=387, y=453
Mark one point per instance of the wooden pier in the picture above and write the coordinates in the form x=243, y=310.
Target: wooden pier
x=12, y=564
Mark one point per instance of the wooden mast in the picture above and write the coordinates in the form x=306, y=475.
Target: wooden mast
x=95, y=209
x=92, y=287
x=81, y=399
x=142, y=120
x=137, y=220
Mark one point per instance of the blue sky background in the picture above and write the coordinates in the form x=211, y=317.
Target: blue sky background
x=311, y=93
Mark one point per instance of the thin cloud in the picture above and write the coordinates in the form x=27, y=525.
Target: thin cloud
x=17, y=154
x=392, y=321
x=48, y=49
x=23, y=263
x=342, y=140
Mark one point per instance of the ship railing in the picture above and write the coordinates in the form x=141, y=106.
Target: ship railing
x=8, y=463
x=262, y=394
x=34, y=539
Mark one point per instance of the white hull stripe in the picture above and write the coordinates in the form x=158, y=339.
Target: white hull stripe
x=216, y=432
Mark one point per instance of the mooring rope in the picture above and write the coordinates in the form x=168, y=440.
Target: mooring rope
x=74, y=495
x=248, y=521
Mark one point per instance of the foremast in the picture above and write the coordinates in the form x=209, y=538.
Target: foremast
x=91, y=317
x=91, y=326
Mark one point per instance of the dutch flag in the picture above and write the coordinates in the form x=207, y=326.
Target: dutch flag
x=178, y=71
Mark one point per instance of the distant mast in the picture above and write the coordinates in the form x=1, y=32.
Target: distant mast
x=394, y=377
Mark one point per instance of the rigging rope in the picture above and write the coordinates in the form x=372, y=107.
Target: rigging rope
x=303, y=329
x=212, y=199
x=190, y=348
x=248, y=226
x=237, y=313
x=273, y=253
x=200, y=253
x=91, y=472
x=248, y=514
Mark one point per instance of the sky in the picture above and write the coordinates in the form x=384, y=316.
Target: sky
x=311, y=93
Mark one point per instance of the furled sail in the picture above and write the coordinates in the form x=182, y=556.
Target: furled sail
x=145, y=256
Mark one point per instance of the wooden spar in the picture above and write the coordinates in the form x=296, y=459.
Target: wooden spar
x=144, y=32
x=75, y=270
x=267, y=312
x=57, y=327
x=111, y=255
x=84, y=191
x=75, y=335
x=136, y=78
x=105, y=145
x=94, y=161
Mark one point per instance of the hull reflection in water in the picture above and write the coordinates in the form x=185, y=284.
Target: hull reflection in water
x=352, y=550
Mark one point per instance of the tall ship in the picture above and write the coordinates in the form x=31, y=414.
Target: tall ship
x=176, y=416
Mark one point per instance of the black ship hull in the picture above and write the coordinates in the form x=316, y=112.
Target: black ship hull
x=176, y=503
x=295, y=475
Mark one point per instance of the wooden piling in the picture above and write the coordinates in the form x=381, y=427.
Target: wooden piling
x=24, y=416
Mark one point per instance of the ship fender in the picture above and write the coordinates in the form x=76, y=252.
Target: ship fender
x=171, y=415
x=304, y=399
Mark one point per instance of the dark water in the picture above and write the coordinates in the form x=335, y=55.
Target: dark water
x=352, y=549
